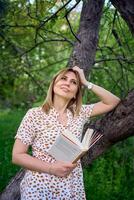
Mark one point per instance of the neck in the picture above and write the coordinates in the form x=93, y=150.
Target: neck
x=60, y=104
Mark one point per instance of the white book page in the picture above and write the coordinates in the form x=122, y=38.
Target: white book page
x=64, y=150
x=87, y=138
x=72, y=137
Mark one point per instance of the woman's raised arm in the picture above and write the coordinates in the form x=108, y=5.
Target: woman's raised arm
x=108, y=100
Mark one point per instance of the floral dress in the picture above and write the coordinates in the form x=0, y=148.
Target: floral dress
x=40, y=130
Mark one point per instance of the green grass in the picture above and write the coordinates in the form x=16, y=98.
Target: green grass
x=9, y=121
x=111, y=177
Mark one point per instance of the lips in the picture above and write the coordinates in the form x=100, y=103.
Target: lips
x=65, y=89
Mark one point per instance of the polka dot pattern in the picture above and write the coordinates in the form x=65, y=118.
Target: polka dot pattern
x=40, y=130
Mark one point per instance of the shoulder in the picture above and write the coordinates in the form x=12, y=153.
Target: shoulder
x=86, y=109
x=36, y=111
x=88, y=105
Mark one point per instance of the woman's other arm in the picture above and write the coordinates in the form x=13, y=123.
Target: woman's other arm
x=22, y=158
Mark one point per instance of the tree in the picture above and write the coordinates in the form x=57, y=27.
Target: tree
x=116, y=125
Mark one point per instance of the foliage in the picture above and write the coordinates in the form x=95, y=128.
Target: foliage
x=111, y=176
x=36, y=43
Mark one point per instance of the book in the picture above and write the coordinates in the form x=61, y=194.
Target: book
x=68, y=147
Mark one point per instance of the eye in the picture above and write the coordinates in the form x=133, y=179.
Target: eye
x=63, y=78
x=74, y=82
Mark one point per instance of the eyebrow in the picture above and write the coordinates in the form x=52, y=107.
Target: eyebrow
x=71, y=79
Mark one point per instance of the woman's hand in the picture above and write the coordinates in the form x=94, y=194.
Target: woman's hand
x=61, y=169
x=81, y=74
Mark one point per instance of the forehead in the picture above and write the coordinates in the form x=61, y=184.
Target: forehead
x=70, y=74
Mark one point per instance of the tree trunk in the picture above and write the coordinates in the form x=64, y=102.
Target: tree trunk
x=126, y=10
x=12, y=191
x=83, y=54
x=116, y=125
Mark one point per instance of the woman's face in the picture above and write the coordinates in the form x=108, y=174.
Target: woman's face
x=66, y=85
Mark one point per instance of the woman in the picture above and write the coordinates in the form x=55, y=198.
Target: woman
x=46, y=178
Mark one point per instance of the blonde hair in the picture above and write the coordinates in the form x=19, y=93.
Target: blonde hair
x=75, y=104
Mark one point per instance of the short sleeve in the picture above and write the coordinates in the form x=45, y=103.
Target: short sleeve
x=25, y=131
x=86, y=110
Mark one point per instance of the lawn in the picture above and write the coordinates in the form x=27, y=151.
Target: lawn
x=9, y=121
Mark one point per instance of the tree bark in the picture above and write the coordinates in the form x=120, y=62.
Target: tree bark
x=116, y=126
x=12, y=191
x=83, y=53
x=126, y=10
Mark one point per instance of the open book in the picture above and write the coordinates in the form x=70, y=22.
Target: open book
x=68, y=147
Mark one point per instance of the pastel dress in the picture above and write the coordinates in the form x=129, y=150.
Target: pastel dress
x=40, y=130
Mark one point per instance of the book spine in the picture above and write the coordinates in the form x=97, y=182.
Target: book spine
x=78, y=157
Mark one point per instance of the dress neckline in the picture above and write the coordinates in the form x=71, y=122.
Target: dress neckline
x=56, y=114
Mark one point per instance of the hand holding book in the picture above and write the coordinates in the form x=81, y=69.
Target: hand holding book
x=68, y=148
x=61, y=169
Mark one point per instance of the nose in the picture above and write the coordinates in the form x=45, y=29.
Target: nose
x=67, y=82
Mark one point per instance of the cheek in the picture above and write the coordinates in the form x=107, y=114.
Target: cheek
x=75, y=91
x=57, y=85
x=55, y=88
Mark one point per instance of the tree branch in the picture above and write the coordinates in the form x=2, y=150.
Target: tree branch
x=126, y=60
x=55, y=14
x=126, y=9
x=69, y=24
x=114, y=126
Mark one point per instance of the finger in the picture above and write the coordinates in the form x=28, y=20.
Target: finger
x=67, y=164
x=73, y=164
x=69, y=167
x=76, y=68
x=67, y=173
